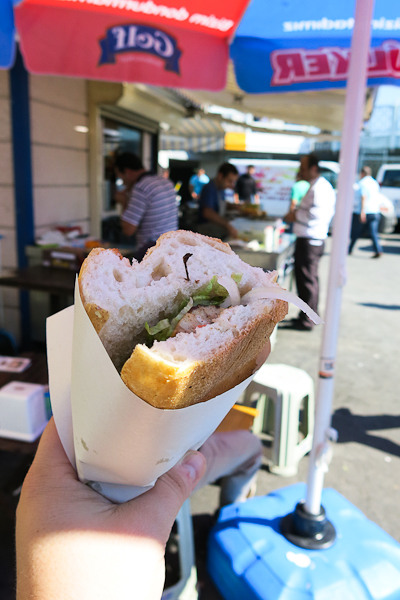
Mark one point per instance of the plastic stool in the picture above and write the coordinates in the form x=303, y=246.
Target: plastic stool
x=284, y=397
x=186, y=587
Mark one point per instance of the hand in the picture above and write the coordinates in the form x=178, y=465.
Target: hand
x=121, y=198
x=263, y=355
x=290, y=217
x=232, y=232
x=363, y=217
x=73, y=544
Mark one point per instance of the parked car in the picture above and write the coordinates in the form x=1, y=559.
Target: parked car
x=388, y=221
x=388, y=178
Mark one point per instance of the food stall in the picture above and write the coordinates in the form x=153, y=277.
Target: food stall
x=263, y=242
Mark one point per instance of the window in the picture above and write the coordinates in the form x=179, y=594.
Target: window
x=391, y=178
x=121, y=137
x=331, y=176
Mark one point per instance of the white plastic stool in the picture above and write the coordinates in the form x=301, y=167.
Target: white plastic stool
x=186, y=587
x=284, y=397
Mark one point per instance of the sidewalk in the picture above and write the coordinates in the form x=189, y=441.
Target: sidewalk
x=366, y=406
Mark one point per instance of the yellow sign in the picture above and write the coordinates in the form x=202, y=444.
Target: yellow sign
x=235, y=141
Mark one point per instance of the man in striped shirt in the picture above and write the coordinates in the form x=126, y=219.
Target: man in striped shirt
x=151, y=208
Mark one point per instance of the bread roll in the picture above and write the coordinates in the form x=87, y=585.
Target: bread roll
x=189, y=367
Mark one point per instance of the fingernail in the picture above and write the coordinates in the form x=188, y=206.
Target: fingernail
x=194, y=464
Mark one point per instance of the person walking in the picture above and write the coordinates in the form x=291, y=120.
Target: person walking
x=311, y=219
x=151, y=208
x=366, y=214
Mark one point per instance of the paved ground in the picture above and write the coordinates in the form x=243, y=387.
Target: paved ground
x=366, y=463
x=366, y=408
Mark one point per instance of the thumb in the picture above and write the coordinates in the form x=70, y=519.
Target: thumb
x=163, y=502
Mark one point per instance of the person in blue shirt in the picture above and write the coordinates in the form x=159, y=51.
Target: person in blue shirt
x=366, y=211
x=197, y=182
x=213, y=206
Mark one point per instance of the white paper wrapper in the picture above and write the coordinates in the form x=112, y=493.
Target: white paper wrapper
x=118, y=443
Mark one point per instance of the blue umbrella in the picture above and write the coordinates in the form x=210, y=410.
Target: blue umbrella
x=295, y=45
x=7, y=34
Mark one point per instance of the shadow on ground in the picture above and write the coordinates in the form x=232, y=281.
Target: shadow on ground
x=357, y=428
x=383, y=306
x=387, y=249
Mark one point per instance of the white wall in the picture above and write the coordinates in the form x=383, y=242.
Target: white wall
x=59, y=152
x=59, y=165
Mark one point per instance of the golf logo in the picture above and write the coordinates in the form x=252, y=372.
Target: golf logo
x=140, y=38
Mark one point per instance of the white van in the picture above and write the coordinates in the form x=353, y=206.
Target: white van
x=389, y=179
x=275, y=179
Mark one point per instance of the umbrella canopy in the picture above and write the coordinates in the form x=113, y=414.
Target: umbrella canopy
x=162, y=43
x=293, y=45
x=287, y=45
x=7, y=34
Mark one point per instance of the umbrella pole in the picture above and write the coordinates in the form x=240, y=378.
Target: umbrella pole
x=308, y=526
x=353, y=115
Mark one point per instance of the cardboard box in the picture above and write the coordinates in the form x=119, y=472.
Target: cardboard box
x=22, y=411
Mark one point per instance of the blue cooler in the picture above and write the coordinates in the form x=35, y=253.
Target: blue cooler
x=249, y=559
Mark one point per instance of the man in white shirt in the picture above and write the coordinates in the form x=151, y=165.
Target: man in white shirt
x=366, y=212
x=311, y=220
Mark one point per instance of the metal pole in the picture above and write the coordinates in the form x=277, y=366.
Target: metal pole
x=23, y=187
x=354, y=105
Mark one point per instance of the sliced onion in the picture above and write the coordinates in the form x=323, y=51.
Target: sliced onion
x=231, y=287
x=281, y=294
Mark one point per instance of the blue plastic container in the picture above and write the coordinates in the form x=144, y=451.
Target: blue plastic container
x=249, y=559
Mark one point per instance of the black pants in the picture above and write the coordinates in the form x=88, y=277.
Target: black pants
x=306, y=259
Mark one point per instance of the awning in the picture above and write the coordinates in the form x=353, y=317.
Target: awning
x=191, y=144
x=194, y=135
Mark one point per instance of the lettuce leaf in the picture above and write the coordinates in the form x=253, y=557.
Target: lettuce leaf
x=165, y=328
x=161, y=326
x=212, y=293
